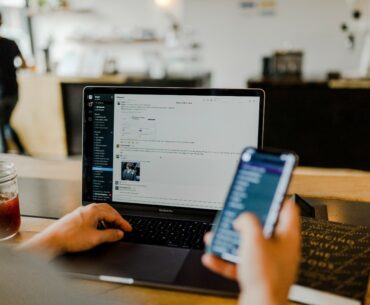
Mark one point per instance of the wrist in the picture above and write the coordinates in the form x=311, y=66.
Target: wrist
x=261, y=297
x=45, y=244
x=52, y=244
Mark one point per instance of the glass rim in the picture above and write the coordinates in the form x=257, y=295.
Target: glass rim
x=7, y=171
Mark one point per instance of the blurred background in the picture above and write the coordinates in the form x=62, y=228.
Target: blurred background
x=312, y=58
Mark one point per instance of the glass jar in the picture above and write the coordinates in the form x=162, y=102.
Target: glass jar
x=10, y=218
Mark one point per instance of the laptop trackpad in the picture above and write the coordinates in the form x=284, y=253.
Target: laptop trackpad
x=136, y=261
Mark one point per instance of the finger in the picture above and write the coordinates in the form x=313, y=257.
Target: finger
x=123, y=223
x=109, y=235
x=249, y=226
x=252, y=240
x=219, y=266
x=289, y=221
x=208, y=238
x=109, y=214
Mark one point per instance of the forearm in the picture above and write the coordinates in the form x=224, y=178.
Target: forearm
x=23, y=63
x=44, y=244
x=261, y=298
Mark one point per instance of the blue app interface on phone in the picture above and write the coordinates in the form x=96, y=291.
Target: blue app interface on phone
x=253, y=190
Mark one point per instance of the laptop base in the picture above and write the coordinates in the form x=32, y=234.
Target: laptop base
x=147, y=265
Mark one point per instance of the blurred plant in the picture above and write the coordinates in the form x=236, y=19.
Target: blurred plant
x=42, y=3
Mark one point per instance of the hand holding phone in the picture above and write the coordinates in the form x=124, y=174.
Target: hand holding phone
x=266, y=265
x=259, y=187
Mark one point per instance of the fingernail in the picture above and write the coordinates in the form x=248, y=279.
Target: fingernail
x=242, y=219
x=205, y=258
x=236, y=223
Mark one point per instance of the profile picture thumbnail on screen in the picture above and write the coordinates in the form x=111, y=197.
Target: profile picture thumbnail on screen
x=130, y=171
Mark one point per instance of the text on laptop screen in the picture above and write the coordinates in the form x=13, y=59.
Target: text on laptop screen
x=168, y=150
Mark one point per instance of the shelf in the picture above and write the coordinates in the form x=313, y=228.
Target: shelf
x=19, y=4
x=48, y=11
x=117, y=41
x=350, y=84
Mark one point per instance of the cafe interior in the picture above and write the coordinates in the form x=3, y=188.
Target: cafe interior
x=315, y=74
x=311, y=58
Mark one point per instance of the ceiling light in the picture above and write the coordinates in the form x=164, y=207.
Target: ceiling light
x=164, y=3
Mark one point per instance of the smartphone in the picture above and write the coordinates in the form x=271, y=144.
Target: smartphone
x=259, y=187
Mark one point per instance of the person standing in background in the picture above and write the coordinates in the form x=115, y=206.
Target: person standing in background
x=9, y=52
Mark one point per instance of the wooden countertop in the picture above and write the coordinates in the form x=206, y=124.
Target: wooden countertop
x=333, y=84
x=104, y=79
x=118, y=79
x=350, y=84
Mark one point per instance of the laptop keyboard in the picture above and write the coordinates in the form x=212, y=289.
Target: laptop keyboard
x=165, y=232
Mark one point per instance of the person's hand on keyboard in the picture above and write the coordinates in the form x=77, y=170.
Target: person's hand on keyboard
x=268, y=267
x=78, y=231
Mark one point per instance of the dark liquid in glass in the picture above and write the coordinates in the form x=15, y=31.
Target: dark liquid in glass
x=10, y=217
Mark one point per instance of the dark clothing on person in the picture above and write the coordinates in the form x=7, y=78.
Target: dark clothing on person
x=9, y=51
x=7, y=105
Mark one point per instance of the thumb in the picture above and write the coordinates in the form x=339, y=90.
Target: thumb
x=249, y=227
x=109, y=235
x=251, y=236
x=289, y=221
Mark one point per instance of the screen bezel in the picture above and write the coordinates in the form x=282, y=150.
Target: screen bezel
x=290, y=164
x=127, y=206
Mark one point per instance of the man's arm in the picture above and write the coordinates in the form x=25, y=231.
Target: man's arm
x=268, y=266
x=23, y=62
x=78, y=231
x=18, y=54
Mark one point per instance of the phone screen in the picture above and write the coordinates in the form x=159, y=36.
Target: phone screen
x=259, y=187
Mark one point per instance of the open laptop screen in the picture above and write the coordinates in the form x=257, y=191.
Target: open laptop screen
x=174, y=147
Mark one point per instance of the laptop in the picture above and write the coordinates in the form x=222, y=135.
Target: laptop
x=164, y=158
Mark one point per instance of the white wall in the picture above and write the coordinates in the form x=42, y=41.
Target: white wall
x=234, y=42
x=105, y=16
